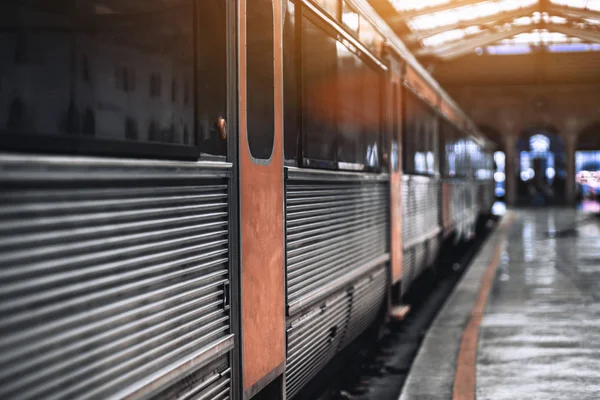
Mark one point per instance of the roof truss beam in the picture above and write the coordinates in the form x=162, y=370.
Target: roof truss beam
x=454, y=50
x=489, y=19
x=585, y=34
x=460, y=48
x=571, y=11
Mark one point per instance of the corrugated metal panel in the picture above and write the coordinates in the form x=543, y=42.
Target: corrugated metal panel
x=314, y=339
x=317, y=336
x=202, y=385
x=408, y=269
x=367, y=297
x=113, y=276
x=337, y=249
x=337, y=225
x=421, y=223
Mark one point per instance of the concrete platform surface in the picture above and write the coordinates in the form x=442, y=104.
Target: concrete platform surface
x=539, y=336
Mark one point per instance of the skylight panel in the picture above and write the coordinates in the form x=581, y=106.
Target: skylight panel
x=589, y=4
x=539, y=37
x=574, y=47
x=537, y=17
x=449, y=36
x=416, y=5
x=466, y=13
x=508, y=49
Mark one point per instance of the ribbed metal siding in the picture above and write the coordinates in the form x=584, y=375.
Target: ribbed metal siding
x=337, y=235
x=316, y=337
x=367, y=296
x=421, y=225
x=113, y=276
x=335, y=225
x=459, y=206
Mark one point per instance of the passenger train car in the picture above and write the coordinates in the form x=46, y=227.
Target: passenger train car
x=211, y=199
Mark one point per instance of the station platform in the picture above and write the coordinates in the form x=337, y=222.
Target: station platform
x=524, y=321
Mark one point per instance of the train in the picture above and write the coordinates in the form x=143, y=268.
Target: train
x=212, y=199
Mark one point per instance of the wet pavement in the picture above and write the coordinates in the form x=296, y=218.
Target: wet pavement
x=540, y=335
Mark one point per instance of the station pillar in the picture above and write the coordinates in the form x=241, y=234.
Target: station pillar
x=512, y=170
x=570, y=190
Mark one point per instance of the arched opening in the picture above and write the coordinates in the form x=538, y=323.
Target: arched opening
x=587, y=168
x=499, y=158
x=541, y=173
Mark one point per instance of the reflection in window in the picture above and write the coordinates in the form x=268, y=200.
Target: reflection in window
x=124, y=79
x=51, y=60
x=131, y=130
x=155, y=85
x=341, y=102
x=16, y=115
x=260, y=78
x=319, y=61
x=153, y=132
x=85, y=68
x=88, y=126
x=174, y=91
x=69, y=120
x=351, y=106
x=419, y=137
x=290, y=82
x=21, y=56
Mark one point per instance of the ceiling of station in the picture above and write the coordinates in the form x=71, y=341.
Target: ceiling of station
x=448, y=29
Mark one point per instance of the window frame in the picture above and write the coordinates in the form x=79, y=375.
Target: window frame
x=261, y=160
x=407, y=93
x=336, y=30
x=80, y=144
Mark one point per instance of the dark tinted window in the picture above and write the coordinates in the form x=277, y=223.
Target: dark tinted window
x=372, y=116
x=101, y=69
x=448, y=147
x=341, y=102
x=352, y=107
x=319, y=63
x=419, y=136
x=290, y=84
x=394, y=153
x=260, y=78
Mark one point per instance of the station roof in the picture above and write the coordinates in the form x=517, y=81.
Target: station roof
x=448, y=29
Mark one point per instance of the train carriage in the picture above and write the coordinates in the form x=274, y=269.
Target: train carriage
x=212, y=199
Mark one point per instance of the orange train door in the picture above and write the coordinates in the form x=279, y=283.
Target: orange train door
x=261, y=195
x=395, y=121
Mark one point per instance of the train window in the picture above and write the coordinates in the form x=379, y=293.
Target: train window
x=340, y=102
x=394, y=153
x=448, y=137
x=61, y=75
x=371, y=118
x=419, y=136
x=290, y=83
x=319, y=60
x=351, y=107
x=260, y=93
